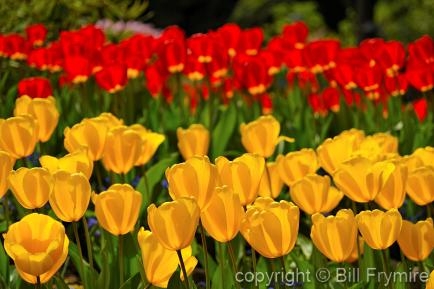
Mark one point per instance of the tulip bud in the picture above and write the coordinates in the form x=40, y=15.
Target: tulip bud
x=271, y=228
x=19, y=135
x=242, y=175
x=417, y=240
x=43, y=110
x=360, y=179
x=261, y=136
x=193, y=141
x=122, y=150
x=420, y=184
x=379, y=229
x=295, y=165
x=222, y=218
x=333, y=152
x=313, y=194
x=174, y=223
x=195, y=178
x=392, y=193
x=70, y=196
x=38, y=245
x=150, y=143
x=31, y=187
x=76, y=162
x=273, y=189
x=90, y=134
x=6, y=166
x=117, y=209
x=335, y=236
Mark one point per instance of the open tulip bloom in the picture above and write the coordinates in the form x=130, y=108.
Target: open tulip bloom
x=217, y=160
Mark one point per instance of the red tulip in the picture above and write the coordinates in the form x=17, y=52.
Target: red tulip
x=112, y=78
x=317, y=104
x=156, y=77
x=252, y=73
x=36, y=34
x=396, y=85
x=369, y=79
x=173, y=54
x=77, y=69
x=331, y=98
x=172, y=33
x=308, y=81
x=422, y=50
x=351, y=97
x=219, y=65
x=420, y=107
x=272, y=61
x=35, y=87
x=201, y=47
x=320, y=55
x=15, y=47
x=38, y=58
x=230, y=35
x=391, y=57
x=195, y=70
x=294, y=60
x=250, y=41
x=294, y=35
x=344, y=74
x=370, y=49
x=266, y=103
x=422, y=78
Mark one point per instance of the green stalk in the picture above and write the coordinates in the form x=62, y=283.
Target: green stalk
x=6, y=210
x=273, y=269
x=184, y=272
x=254, y=262
x=222, y=261
x=88, y=242
x=80, y=252
x=234, y=263
x=282, y=263
x=386, y=267
x=38, y=284
x=121, y=260
x=205, y=250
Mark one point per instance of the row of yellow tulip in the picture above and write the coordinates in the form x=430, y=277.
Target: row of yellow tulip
x=363, y=168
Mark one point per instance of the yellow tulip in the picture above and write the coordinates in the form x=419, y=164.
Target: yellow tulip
x=313, y=194
x=19, y=135
x=76, y=162
x=91, y=134
x=38, y=245
x=392, y=193
x=43, y=110
x=378, y=147
x=295, y=165
x=196, y=178
x=31, y=187
x=261, y=135
x=6, y=166
x=193, y=141
x=150, y=143
x=271, y=175
x=333, y=152
x=117, y=209
x=417, y=240
x=420, y=185
x=356, y=251
x=222, y=218
x=70, y=196
x=122, y=150
x=335, y=236
x=160, y=263
x=360, y=179
x=271, y=228
x=412, y=162
x=379, y=229
x=174, y=223
x=426, y=155
x=110, y=120
x=243, y=175
x=430, y=282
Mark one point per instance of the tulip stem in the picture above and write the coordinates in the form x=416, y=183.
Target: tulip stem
x=88, y=242
x=222, y=261
x=121, y=259
x=234, y=263
x=80, y=252
x=184, y=272
x=273, y=270
x=6, y=211
x=38, y=282
x=385, y=267
x=205, y=252
x=282, y=263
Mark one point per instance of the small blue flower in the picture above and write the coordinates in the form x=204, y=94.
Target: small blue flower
x=92, y=222
x=164, y=183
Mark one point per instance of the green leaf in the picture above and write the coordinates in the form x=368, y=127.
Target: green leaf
x=223, y=130
x=132, y=282
x=87, y=276
x=4, y=264
x=175, y=281
x=400, y=283
x=60, y=284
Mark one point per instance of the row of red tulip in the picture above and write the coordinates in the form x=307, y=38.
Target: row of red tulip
x=233, y=59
